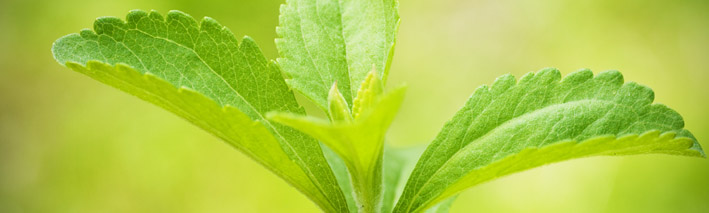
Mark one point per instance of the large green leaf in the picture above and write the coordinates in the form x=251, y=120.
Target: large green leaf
x=510, y=127
x=200, y=72
x=326, y=41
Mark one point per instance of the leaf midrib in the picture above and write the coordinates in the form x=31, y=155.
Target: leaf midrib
x=660, y=136
x=307, y=48
x=347, y=61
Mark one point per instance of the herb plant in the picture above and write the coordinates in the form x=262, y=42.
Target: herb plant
x=337, y=54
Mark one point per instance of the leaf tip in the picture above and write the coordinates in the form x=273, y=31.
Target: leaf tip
x=59, y=48
x=338, y=109
x=698, y=148
x=247, y=38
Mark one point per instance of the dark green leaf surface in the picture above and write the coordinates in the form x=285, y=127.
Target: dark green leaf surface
x=513, y=126
x=200, y=72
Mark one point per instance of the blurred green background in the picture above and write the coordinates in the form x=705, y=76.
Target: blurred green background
x=71, y=144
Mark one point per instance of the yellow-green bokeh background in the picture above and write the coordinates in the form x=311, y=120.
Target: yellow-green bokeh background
x=71, y=144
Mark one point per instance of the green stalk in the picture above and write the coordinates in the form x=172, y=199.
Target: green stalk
x=367, y=187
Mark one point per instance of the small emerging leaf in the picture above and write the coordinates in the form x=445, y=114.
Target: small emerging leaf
x=337, y=106
x=513, y=126
x=368, y=93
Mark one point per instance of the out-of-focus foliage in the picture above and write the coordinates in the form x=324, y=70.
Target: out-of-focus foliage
x=71, y=144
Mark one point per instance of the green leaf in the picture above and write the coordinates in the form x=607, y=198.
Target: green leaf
x=326, y=41
x=200, y=72
x=358, y=142
x=337, y=106
x=511, y=126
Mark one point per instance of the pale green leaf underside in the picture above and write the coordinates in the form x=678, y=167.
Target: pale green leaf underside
x=512, y=126
x=200, y=72
x=326, y=41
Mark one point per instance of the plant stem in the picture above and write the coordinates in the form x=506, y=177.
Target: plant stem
x=367, y=187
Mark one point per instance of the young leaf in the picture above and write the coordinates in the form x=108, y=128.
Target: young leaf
x=358, y=142
x=327, y=41
x=200, y=72
x=511, y=127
